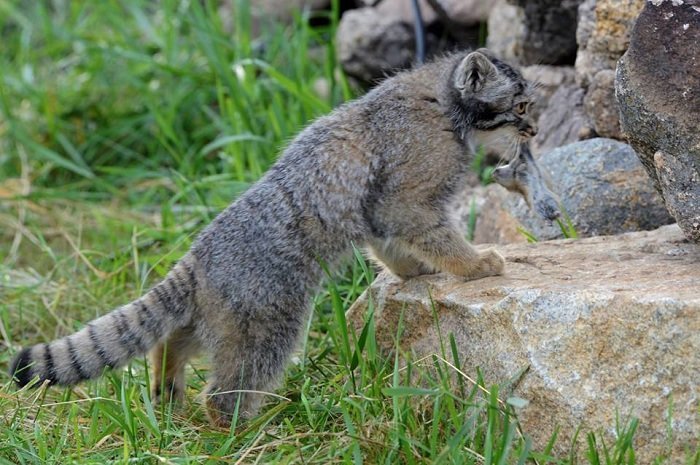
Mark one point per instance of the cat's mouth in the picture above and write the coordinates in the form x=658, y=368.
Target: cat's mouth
x=528, y=132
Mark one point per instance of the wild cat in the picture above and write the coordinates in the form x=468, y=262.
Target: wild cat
x=377, y=172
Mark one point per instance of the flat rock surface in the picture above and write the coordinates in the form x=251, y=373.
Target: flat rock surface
x=604, y=326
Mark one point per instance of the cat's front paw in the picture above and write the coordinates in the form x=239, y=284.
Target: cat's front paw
x=495, y=263
x=491, y=263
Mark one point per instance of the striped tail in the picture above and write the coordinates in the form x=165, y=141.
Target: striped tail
x=113, y=339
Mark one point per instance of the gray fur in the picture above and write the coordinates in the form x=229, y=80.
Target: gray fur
x=379, y=171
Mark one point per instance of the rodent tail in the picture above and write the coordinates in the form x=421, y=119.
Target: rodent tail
x=113, y=339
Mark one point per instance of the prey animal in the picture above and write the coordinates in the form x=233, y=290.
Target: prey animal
x=377, y=172
x=522, y=175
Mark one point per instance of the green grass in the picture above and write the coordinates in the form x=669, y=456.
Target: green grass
x=567, y=227
x=123, y=130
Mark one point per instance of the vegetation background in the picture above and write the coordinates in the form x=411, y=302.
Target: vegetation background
x=125, y=126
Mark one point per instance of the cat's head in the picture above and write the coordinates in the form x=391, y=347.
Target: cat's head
x=490, y=99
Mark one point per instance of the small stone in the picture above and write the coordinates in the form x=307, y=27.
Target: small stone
x=493, y=224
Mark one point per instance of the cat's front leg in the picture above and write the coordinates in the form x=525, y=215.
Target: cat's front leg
x=395, y=257
x=444, y=249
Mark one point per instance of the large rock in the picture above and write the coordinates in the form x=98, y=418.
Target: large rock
x=658, y=90
x=603, y=36
x=603, y=188
x=604, y=326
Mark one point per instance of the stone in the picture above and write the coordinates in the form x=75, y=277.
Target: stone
x=558, y=107
x=370, y=44
x=550, y=31
x=506, y=26
x=494, y=224
x=563, y=120
x=491, y=223
x=600, y=105
x=602, y=187
x=547, y=80
x=534, y=32
x=284, y=9
x=603, y=36
x=583, y=330
x=400, y=10
x=586, y=22
x=462, y=12
x=658, y=91
x=266, y=10
x=373, y=42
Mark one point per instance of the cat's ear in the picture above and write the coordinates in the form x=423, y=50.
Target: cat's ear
x=473, y=72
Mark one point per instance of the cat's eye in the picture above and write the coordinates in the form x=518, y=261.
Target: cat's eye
x=521, y=108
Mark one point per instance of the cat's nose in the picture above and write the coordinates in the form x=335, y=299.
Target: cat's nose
x=528, y=131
